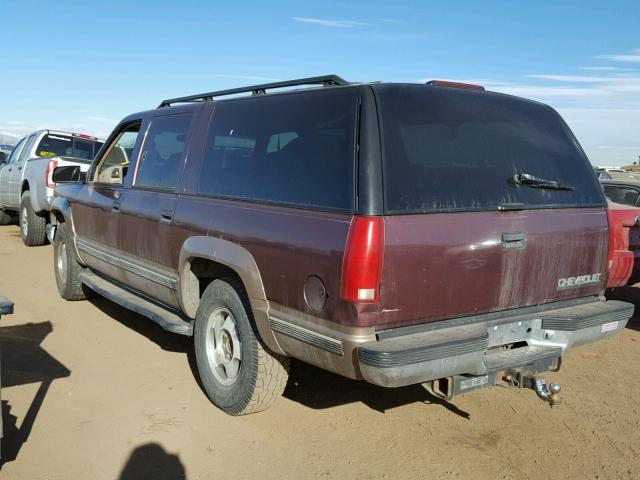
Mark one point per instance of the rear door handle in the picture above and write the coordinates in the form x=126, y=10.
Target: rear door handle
x=514, y=240
x=166, y=214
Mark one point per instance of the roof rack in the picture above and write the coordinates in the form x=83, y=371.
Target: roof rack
x=326, y=80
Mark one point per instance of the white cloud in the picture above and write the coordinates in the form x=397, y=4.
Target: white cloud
x=625, y=57
x=330, y=23
x=606, y=69
x=545, y=93
x=574, y=78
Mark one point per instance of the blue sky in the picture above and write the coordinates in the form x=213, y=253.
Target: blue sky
x=85, y=65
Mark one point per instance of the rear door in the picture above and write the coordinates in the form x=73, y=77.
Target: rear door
x=5, y=172
x=16, y=172
x=148, y=207
x=474, y=222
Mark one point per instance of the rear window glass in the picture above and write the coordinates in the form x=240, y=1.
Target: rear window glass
x=622, y=194
x=291, y=149
x=449, y=149
x=53, y=145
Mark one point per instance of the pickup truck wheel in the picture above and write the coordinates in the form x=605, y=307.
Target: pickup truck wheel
x=5, y=218
x=66, y=267
x=33, y=227
x=239, y=374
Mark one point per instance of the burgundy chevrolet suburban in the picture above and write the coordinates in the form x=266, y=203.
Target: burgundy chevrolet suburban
x=397, y=233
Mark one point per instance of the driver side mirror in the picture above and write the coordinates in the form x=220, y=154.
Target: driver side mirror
x=68, y=174
x=3, y=158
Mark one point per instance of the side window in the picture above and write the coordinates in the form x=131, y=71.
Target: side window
x=163, y=151
x=15, y=154
x=114, y=164
x=623, y=195
x=27, y=149
x=296, y=149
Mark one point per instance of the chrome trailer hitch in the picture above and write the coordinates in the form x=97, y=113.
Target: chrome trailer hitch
x=550, y=394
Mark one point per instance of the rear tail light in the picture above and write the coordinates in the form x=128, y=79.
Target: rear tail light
x=612, y=232
x=82, y=135
x=362, y=264
x=49, y=173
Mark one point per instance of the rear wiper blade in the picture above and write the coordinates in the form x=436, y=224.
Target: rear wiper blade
x=537, y=182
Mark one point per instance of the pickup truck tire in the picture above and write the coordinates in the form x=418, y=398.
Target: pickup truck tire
x=238, y=373
x=5, y=218
x=66, y=267
x=33, y=227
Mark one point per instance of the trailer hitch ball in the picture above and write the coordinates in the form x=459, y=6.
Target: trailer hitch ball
x=551, y=394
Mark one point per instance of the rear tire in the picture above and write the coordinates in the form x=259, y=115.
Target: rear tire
x=33, y=227
x=66, y=267
x=239, y=374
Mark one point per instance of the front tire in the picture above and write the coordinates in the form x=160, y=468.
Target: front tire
x=66, y=267
x=239, y=374
x=33, y=227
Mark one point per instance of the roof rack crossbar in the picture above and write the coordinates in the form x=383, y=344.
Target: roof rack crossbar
x=327, y=80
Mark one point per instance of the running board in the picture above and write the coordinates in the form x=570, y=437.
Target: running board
x=166, y=319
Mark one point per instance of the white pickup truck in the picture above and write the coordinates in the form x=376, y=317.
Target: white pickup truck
x=26, y=186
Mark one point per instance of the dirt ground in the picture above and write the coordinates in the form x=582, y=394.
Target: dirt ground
x=92, y=391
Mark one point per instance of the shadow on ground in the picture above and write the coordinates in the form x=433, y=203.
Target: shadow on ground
x=628, y=294
x=24, y=361
x=170, y=342
x=310, y=386
x=318, y=389
x=151, y=462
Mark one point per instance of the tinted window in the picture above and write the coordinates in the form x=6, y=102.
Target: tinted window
x=450, y=149
x=53, y=145
x=291, y=148
x=620, y=194
x=114, y=164
x=26, y=150
x=162, y=152
x=16, y=151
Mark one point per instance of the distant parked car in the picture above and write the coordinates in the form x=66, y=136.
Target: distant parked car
x=626, y=192
x=621, y=175
x=624, y=228
x=26, y=186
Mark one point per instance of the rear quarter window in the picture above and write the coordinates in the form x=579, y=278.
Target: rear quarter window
x=448, y=149
x=295, y=149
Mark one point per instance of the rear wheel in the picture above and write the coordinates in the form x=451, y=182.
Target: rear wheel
x=33, y=227
x=66, y=267
x=239, y=373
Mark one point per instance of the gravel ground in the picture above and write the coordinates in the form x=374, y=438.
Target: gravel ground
x=92, y=391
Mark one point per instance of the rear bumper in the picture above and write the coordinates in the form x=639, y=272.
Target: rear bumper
x=474, y=349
